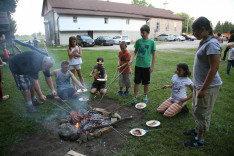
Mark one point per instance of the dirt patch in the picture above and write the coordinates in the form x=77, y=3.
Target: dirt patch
x=50, y=144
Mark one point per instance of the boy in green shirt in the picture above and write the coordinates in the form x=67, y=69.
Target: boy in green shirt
x=145, y=50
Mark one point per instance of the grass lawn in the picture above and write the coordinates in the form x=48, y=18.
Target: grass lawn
x=15, y=123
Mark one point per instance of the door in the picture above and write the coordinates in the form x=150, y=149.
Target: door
x=90, y=33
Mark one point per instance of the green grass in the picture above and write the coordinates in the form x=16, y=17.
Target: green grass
x=15, y=123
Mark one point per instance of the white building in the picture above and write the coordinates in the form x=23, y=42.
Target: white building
x=65, y=18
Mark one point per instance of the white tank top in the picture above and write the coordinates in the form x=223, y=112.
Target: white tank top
x=75, y=60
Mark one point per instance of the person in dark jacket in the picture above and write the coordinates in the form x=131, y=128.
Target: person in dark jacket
x=230, y=40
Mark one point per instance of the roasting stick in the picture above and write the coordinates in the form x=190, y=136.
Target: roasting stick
x=148, y=93
x=121, y=134
x=114, y=78
x=59, y=107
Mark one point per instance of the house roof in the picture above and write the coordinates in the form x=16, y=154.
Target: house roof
x=98, y=8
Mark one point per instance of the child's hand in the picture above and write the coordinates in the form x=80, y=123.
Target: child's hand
x=182, y=101
x=90, y=75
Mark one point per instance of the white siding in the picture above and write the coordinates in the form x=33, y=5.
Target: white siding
x=93, y=23
x=134, y=24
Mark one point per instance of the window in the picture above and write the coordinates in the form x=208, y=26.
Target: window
x=106, y=20
x=167, y=25
x=74, y=19
x=158, y=25
x=127, y=21
x=175, y=26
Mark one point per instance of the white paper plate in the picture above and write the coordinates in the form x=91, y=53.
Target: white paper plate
x=102, y=79
x=138, y=132
x=153, y=123
x=84, y=99
x=140, y=105
x=82, y=90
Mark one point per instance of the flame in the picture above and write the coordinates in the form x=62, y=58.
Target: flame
x=77, y=125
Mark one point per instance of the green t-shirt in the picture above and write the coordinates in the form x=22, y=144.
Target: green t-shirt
x=144, y=49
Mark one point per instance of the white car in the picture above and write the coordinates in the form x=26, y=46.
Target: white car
x=120, y=38
x=165, y=37
x=179, y=38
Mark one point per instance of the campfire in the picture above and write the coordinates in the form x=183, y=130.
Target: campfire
x=83, y=125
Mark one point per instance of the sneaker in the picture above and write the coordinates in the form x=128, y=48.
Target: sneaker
x=185, y=109
x=37, y=103
x=134, y=100
x=194, y=143
x=145, y=99
x=120, y=92
x=192, y=132
x=126, y=93
x=31, y=109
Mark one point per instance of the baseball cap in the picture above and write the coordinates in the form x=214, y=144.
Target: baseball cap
x=100, y=60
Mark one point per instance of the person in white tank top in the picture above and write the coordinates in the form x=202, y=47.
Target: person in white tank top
x=75, y=61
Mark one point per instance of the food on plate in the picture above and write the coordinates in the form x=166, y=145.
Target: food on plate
x=152, y=123
x=140, y=106
x=136, y=132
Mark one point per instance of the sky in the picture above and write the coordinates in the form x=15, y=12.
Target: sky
x=29, y=19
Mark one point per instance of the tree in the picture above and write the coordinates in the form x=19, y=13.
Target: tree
x=9, y=7
x=187, y=23
x=142, y=3
x=223, y=27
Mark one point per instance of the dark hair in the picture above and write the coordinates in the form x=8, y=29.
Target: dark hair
x=64, y=63
x=145, y=28
x=219, y=34
x=202, y=22
x=70, y=41
x=123, y=43
x=231, y=31
x=185, y=67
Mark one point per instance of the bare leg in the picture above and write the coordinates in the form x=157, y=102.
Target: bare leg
x=146, y=89
x=27, y=96
x=73, y=71
x=200, y=134
x=136, y=89
x=120, y=88
x=93, y=91
x=32, y=90
x=103, y=91
x=80, y=77
x=127, y=88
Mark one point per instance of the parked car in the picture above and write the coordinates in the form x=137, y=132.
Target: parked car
x=120, y=38
x=193, y=37
x=165, y=37
x=104, y=40
x=187, y=37
x=179, y=38
x=84, y=40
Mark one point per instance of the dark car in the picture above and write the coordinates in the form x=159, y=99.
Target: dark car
x=187, y=37
x=84, y=40
x=104, y=40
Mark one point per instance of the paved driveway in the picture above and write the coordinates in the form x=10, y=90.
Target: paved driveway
x=164, y=45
